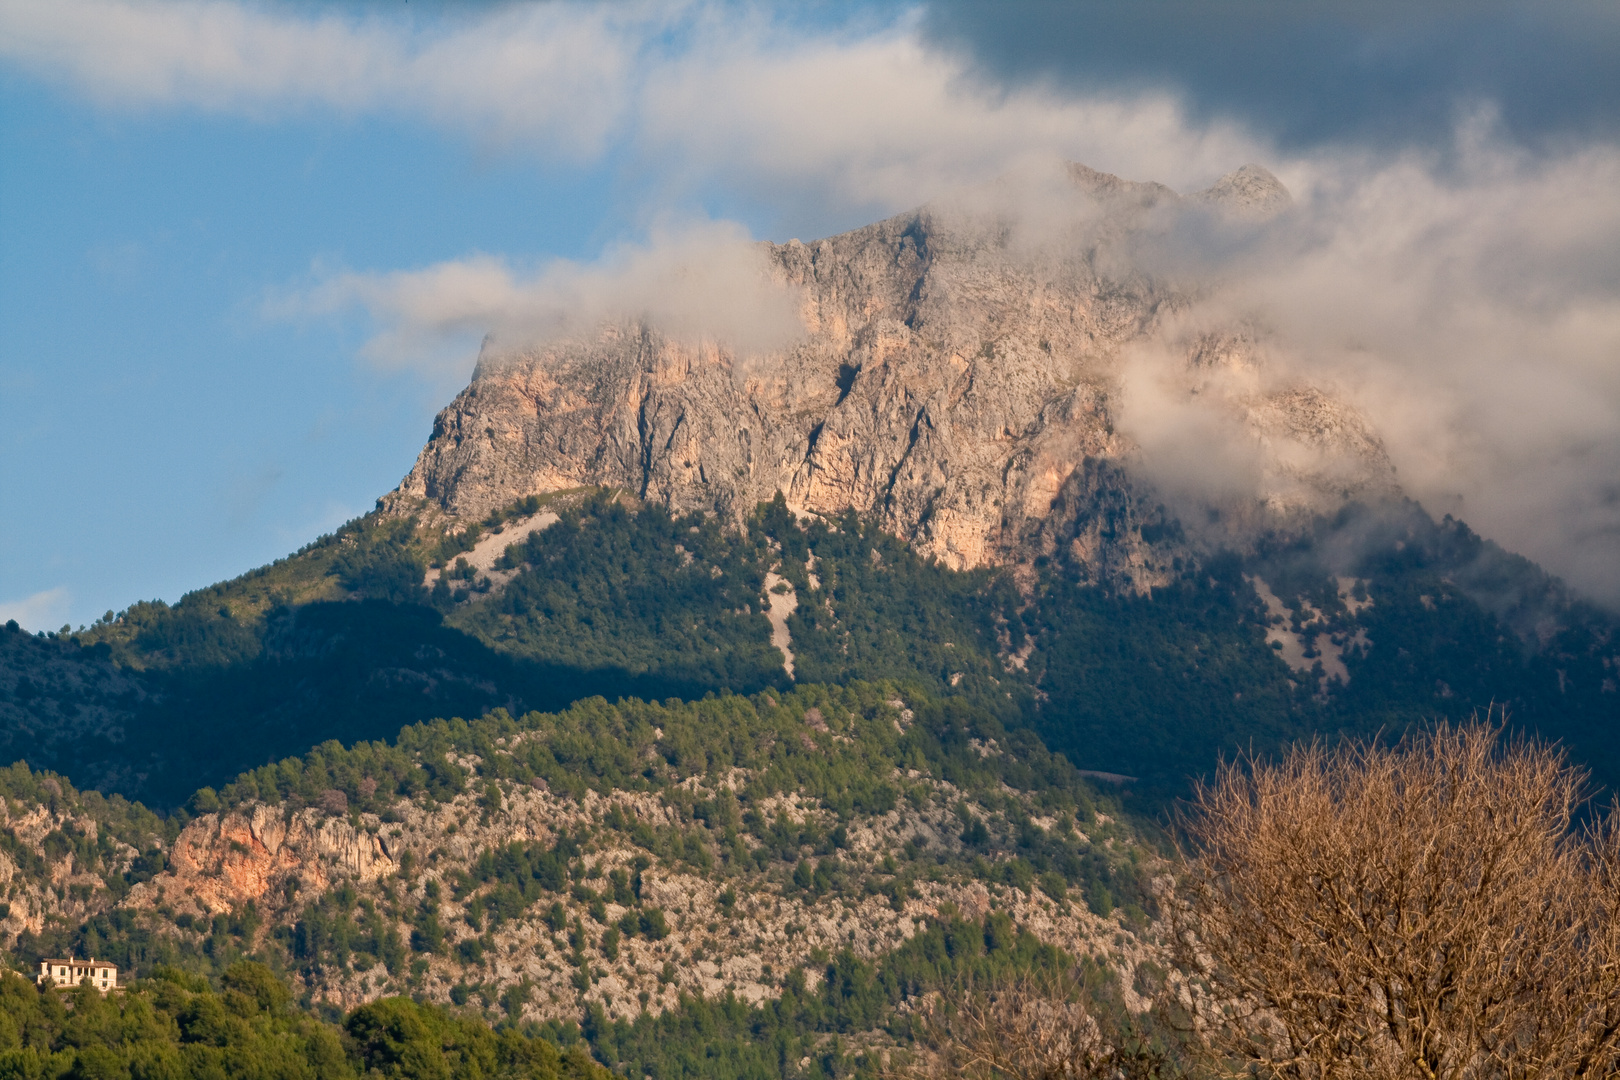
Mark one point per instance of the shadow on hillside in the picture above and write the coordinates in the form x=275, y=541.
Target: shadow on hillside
x=348, y=671
x=1448, y=627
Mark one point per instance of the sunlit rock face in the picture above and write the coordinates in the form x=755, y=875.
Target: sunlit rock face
x=959, y=377
x=221, y=861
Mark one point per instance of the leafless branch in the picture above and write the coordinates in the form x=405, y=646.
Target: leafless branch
x=1425, y=910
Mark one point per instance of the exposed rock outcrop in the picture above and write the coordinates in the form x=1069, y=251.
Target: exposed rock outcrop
x=42, y=875
x=223, y=861
x=551, y=901
x=957, y=378
x=744, y=943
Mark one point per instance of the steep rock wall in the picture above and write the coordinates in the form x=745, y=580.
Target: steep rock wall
x=956, y=379
x=223, y=861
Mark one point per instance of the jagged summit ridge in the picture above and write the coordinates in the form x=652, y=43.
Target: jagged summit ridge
x=957, y=383
x=1251, y=191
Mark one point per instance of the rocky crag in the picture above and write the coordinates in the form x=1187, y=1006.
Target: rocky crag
x=712, y=879
x=221, y=861
x=958, y=378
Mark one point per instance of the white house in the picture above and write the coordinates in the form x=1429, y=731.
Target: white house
x=98, y=973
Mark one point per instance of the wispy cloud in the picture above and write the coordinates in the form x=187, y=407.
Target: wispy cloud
x=701, y=281
x=870, y=118
x=39, y=611
x=552, y=73
x=881, y=121
x=1471, y=313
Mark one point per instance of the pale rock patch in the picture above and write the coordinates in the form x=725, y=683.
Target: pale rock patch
x=1330, y=647
x=782, y=604
x=489, y=549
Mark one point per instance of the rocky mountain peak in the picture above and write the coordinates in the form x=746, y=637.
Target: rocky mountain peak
x=956, y=378
x=1250, y=192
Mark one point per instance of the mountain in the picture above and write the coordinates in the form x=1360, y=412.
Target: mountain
x=956, y=380
x=928, y=484
x=708, y=709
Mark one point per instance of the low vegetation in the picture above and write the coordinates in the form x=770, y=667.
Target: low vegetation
x=649, y=846
x=176, y=1026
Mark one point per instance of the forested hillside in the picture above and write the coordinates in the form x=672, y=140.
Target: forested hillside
x=346, y=641
x=174, y=1025
x=647, y=840
x=739, y=886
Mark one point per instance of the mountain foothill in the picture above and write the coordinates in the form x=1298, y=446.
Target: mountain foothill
x=687, y=713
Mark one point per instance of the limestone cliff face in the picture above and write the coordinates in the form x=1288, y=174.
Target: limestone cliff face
x=220, y=862
x=957, y=378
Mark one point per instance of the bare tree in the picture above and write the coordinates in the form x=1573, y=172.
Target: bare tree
x=1025, y=1028
x=1426, y=910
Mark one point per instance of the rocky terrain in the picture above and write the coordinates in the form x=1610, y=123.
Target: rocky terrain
x=45, y=875
x=747, y=944
x=219, y=862
x=958, y=377
x=718, y=883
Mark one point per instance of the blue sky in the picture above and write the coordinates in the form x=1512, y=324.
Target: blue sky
x=159, y=430
x=247, y=249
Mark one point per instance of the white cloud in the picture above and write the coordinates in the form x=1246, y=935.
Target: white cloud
x=1471, y=308
x=40, y=611
x=869, y=120
x=881, y=121
x=703, y=280
x=1472, y=314
x=554, y=73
